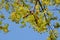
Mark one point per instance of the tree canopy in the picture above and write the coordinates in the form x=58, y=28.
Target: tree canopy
x=38, y=16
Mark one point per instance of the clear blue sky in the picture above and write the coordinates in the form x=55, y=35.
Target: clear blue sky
x=26, y=33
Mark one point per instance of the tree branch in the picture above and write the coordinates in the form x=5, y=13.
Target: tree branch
x=1, y=27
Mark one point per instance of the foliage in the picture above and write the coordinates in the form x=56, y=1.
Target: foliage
x=40, y=17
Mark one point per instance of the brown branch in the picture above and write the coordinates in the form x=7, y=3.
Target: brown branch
x=43, y=11
x=40, y=5
x=1, y=27
x=26, y=15
x=35, y=16
x=36, y=19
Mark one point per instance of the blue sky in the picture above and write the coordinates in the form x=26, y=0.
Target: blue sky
x=17, y=33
